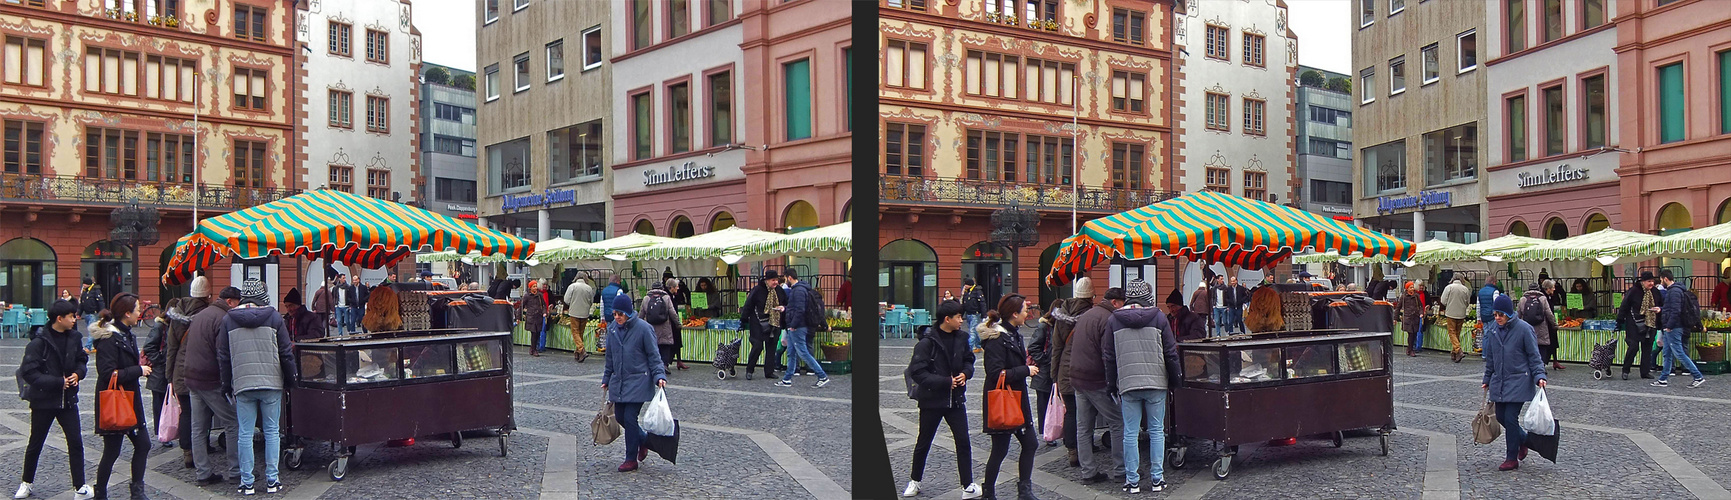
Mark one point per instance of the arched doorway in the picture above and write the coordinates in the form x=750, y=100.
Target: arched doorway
x=644, y=227
x=681, y=228
x=1047, y=293
x=1595, y=223
x=27, y=273
x=989, y=264
x=800, y=217
x=165, y=292
x=908, y=274
x=1555, y=229
x=1519, y=228
x=722, y=221
x=1674, y=218
x=1724, y=214
x=110, y=264
x=847, y=212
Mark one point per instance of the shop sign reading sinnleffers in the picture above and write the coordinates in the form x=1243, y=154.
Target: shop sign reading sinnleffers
x=1425, y=199
x=677, y=173
x=1563, y=173
x=513, y=203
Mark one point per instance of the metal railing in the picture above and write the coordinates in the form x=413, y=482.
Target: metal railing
x=978, y=193
x=85, y=190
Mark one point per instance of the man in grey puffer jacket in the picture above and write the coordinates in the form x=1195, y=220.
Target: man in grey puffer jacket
x=1141, y=360
x=253, y=351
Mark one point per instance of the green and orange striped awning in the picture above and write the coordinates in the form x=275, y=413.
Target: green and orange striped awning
x=1215, y=227
x=333, y=225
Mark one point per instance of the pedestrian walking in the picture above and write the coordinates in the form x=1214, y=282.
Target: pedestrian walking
x=662, y=315
x=1040, y=350
x=1454, y=301
x=211, y=407
x=117, y=365
x=1140, y=355
x=1412, y=317
x=579, y=296
x=1096, y=405
x=1202, y=303
x=1238, y=299
x=180, y=313
x=156, y=327
x=1221, y=298
x=1535, y=310
x=940, y=368
x=90, y=302
x=358, y=302
x=757, y=315
x=633, y=371
x=1512, y=370
x=973, y=307
x=1678, y=316
x=613, y=289
x=53, y=365
x=343, y=298
x=535, y=317
x=252, y=352
x=1640, y=322
x=1007, y=358
x=1487, y=296
x=322, y=301
x=803, y=315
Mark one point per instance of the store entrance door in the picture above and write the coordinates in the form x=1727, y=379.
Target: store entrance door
x=989, y=265
x=21, y=285
x=905, y=284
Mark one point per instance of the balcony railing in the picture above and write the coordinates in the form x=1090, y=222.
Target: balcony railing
x=71, y=189
x=171, y=21
x=985, y=194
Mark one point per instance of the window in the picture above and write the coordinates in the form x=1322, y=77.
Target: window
x=1592, y=14
x=1556, y=128
x=492, y=10
x=31, y=3
x=1256, y=185
x=1128, y=26
x=508, y=166
x=1515, y=25
x=339, y=34
x=1254, y=114
x=1724, y=92
x=1451, y=154
x=1663, y=3
x=26, y=61
x=378, y=114
x=575, y=152
x=249, y=22
x=1395, y=6
x=796, y=81
x=341, y=109
x=642, y=34
x=342, y=178
x=492, y=82
x=1042, y=10
x=521, y=64
x=904, y=149
x=379, y=183
x=1128, y=91
x=454, y=190
x=1553, y=21
x=556, y=60
x=1325, y=147
x=110, y=71
x=919, y=5
x=679, y=117
x=1671, y=102
x=1428, y=58
x=905, y=64
x=1050, y=82
x=1050, y=160
x=378, y=47
x=1219, y=112
x=23, y=153
x=1330, y=116
x=1515, y=111
x=168, y=157
x=1467, y=51
x=642, y=114
x=1593, y=101
x=847, y=91
x=720, y=108
x=250, y=88
x=520, y=5
x=1127, y=172
x=720, y=11
x=991, y=75
x=678, y=18
x=992, y=155
x=1367, y=12
x=460, y=114
x=1396, y=75
x=1219, y=41
x=592, y=48
x=1218, y=180
x=1330, y=192
x=110, y=153
x=1367, y=86
x=453, y=146
x=1384, y=167
x=249, y=157
x=1253, y=49
x=169, y=79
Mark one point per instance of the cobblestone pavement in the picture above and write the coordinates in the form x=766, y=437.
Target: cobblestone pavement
x=739, y=439
x=1620, y=439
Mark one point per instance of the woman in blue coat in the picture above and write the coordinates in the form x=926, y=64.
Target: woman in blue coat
x=1513, y=368
x=633, y=372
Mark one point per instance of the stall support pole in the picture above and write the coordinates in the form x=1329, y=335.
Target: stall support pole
x=1418, y=234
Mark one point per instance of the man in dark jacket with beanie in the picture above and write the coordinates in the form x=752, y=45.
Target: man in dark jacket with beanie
x=763, y=335
x=1141, y=361
x=1186, y=325
x=256, y=366
x=302, y=323
x=1094, y=402
x=1640, y=323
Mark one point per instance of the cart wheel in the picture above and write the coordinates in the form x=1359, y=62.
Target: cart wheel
x=1175, y=457
x=292, y=459
x=457, y=439
x=721, y=374
x=1222, y=467
x=1385, y=444
x=502, y=443
x=1598, y=374
x=1339, y=439
x=339, y=468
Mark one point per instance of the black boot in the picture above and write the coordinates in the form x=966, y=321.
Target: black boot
x=988, y=491
x=1025, y=489
x=100, y=490
x=138, y=491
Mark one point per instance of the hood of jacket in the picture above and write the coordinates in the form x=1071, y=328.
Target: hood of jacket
x=1063, y=315
x=1136, y=317
x=251, y=316
x=103, y=329
x=988, y=332
x=183, y=310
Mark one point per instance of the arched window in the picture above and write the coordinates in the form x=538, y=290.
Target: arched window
x=1519, y=228
x=1674, y=218
x=1595, y=223
x=1555, y=229
x=908, y=274
x=800, y=216
x=644, y=227
x=27, y=273
x=722, y=221
x=847, y=212
x=681, y=228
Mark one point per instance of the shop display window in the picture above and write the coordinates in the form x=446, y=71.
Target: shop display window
x=428, y=361
x=1309, y=361
x=1257, y=365
x=1202, y=367
x=480, y=356
x=372, y=365
x=1362, y=356
x=319, y=366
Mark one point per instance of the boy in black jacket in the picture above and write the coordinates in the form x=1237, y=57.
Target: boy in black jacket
x=941, y=367
x=54, y=363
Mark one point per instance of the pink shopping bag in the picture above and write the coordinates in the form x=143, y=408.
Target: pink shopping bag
x=168, y=423
x=1054, y=417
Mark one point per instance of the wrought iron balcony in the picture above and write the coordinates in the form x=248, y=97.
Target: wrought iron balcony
x=953, y=192
x=78, y=190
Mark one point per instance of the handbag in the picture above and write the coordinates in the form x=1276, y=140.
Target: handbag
x=115, y=405
x=1054, y=418
x=1485, y=426
x=605, y=427
x=1004, y=406
x=168, y=423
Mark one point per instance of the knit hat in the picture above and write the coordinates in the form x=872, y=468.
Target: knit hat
x=1504, y=305
x=1139, y=292
x=200, y=287
x=1176, y=298
x=293, y=297
x=1084, y=288
x=252, y=291
x=622, y=303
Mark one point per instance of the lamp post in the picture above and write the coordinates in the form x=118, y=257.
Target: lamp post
x=1013, y=227
x=134, y=225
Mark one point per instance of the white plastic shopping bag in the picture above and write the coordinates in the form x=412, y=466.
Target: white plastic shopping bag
x=1538, y=419
x=656, y=418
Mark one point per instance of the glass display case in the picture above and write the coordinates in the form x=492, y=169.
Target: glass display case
x=1277, y=361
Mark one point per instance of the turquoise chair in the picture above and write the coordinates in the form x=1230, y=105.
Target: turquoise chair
x=13, y=321
x=921, y=317
x=38, y=317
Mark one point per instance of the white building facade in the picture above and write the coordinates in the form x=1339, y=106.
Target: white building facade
x=1238, y=62
x=359, y=98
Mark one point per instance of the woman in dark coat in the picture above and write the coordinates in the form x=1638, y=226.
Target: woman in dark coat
x=535, y=318
x=941, y=366
x=1512, y=370
x=153, y=351
x=1544, y=331
x=633, y=371
x=117, y=360
x=707, y=288
x=1007, y=358
x=1412, y=317
x=1040, y=349
x=1587, y=310
x=54, y=365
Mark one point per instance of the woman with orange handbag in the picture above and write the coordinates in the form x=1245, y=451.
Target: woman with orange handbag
x=1006, y=413
x=119, y=410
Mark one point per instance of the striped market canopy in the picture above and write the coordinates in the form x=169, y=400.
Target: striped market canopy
x=601, y=249
x=710, y=245
x=1474, y=252
x=1708, y=243
x=1355, y=260
x=1215, y=227
x=833, y=242
x=333, y=225
x=552, y=245
x=1605, y=245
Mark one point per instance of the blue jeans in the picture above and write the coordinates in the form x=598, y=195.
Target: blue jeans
x=1509, y=414
x=1222, y=320
x=355, y=315
x=249, y=406
x=626, y=414
x=800, y=352
x=972, y=321
x=1237, y=316
x=1135, y=405
x=84, y=328
x=1674, y=349
x=538, y=332
x=345, y=321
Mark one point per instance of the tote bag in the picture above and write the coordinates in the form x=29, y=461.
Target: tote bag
x=116, y=406
x=168, y=423
x=1054, y=418
x=605, y=427
x=1004, y=406
x=1485, y=426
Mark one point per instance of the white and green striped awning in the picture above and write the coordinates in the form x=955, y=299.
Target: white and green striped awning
x=1708, y=243
x=1477, y=251
x=710, y=245
x=1606, y=246
x=552, y=245
x=829, y=242
x=613, y=248
x=1357, y=260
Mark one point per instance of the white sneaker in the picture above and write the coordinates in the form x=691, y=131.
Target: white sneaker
x=971, y=492
x=84, y=493
x=24, y=491
x=913, y=489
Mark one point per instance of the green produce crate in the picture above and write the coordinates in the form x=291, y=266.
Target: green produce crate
x=837, y=367
x=1714, y=367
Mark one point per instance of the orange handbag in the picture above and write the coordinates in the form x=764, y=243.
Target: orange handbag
x=1004, y=406
x=117, y=412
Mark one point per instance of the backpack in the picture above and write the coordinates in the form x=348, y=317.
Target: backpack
x=24, y=391
x=1691, y=320
x=814, y=314
x=656, y=311
x=1534, y=312
x=915, y=390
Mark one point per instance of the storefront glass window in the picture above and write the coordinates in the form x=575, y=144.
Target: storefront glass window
x=1451, y=154
x=575, y=152
x=1386, y=163
x=908, y=270
x=508, y=165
